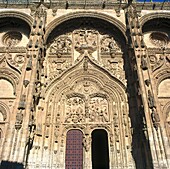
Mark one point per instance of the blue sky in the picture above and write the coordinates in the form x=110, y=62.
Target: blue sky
x=153, y=0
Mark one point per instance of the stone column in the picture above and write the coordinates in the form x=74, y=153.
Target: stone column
x=87, y=152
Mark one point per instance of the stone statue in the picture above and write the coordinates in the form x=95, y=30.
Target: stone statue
x=155, y=118
x=151, y=101
x=144, y=65
x=19, y=120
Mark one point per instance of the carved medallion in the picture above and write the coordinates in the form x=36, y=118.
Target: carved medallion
x=19, y=59
x=12, y=38
x=159, y=39
x=61, y=45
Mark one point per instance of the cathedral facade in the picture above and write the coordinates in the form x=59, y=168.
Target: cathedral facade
x=84, y=84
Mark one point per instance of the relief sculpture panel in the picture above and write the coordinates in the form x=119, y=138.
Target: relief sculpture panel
x=75, y=107
x=87, y=105
x=67, y=50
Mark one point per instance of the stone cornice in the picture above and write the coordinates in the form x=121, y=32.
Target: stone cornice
x=63, y=4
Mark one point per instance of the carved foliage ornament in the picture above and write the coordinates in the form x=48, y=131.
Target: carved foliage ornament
x=62, y=45
x=158, y=61
x=10, y=60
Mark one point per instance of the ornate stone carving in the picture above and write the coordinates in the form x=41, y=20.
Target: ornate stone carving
x=151, y=101
x=147, y=82
x=29, y=64
x=61, y=46
x=155, y=118
x=108, y=45
x=84, y=43
x=75, y=110
x=144, y=64
x=114, y=66
x=22, y=102
x=12, y=38
x=85, y=64
x=26, y=82
x=158, y=62
x=85, y=40
x=15, y=61
x=37, y=92
x=19, y=120
x=117, y=132
x=56, y=133
x=87, y=142
x=19, y=59
x=57, y=66
x=159, y=39
x=98, y=110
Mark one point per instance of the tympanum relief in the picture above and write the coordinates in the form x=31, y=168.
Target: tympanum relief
x=67, y=50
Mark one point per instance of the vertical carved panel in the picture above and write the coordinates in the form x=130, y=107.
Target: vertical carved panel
x=98, y=110
x=75, y=110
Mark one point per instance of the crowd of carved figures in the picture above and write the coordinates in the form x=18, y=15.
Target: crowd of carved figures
x=96, y=109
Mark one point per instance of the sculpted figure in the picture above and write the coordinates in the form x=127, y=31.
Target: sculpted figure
x=19, y=118
x=155, y=118
x=151, y=101
x=144, y=65
x=56, y=133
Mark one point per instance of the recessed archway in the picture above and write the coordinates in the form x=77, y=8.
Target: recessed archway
x=100, y=150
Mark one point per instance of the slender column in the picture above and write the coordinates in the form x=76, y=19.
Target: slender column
x=87, y=152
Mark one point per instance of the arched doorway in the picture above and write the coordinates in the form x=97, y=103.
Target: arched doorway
x=74, y=150
x=100, y=151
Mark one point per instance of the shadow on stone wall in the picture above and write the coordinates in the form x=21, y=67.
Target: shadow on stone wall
x=141, y=151
x=11, y=165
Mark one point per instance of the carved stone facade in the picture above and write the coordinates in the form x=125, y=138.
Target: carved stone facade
x=71, y=65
